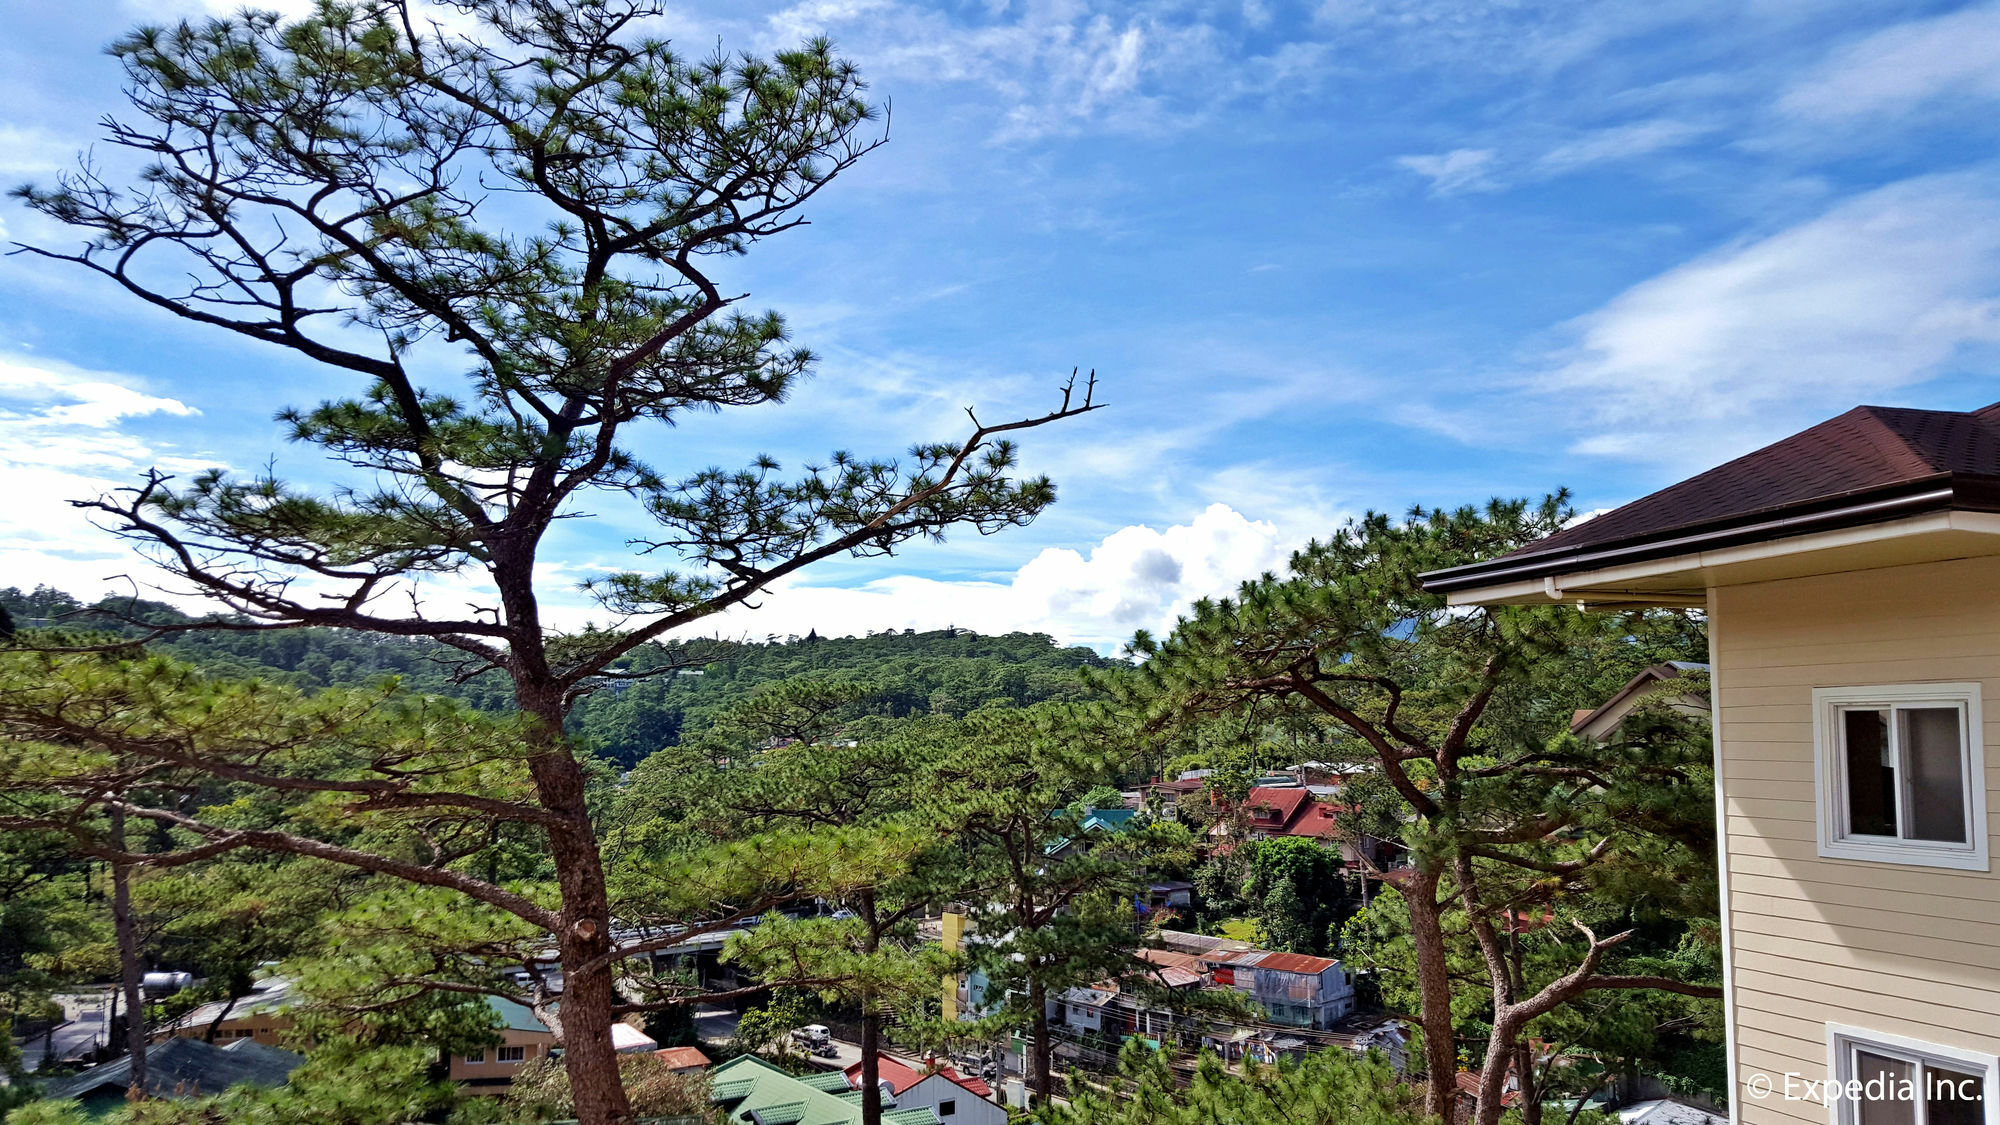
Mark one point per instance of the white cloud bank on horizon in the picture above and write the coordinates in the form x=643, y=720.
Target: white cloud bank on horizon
x=1881, y=292
x=1135, y=578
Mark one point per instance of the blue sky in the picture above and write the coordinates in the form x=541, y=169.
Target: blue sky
x=1324, y=256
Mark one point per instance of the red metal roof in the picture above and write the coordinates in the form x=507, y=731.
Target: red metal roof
x=1296, y=963
x=681, y=1058
x=1317, y=819
x=900, y=1076
x=1281, y=804
x=1170, y=959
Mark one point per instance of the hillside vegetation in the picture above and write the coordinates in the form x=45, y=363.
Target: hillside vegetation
x=888, y=675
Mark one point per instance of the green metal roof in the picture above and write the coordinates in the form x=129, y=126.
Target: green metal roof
x=784, y=1113
x=515, y=1017
x=831, y=1081
x=759, y=1093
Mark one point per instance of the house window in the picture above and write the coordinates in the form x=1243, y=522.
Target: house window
x=1889, y=1080
x=510, y=1055
x=947, y=1107
x=1901, y=774
x=475, y=1057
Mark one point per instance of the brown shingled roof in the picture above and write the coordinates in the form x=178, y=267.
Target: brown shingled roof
x=1948, y=459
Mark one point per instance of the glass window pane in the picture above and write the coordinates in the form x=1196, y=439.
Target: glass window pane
x=1871, y=778
x=1934, y=770
x=1885, y=1090
x=1953, y=1098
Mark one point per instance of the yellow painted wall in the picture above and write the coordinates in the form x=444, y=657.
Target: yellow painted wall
x=533, y=1044
x=1907, y=950
x=953, y=939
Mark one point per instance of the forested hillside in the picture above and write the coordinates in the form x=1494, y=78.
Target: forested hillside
x=890, y=674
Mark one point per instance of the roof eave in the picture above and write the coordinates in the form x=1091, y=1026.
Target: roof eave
x=1614, y=580
x=1474, y=583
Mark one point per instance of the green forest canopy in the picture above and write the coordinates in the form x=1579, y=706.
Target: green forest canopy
x=945, y=671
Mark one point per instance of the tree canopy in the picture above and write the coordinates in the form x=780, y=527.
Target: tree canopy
x=533, y=195
x=1459, y=717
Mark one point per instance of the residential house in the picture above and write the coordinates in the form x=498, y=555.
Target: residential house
x=750, y=1091
x=1295, y=989
x=1289, y=811
x=1106, y=1009
x=1163, y=798
x=1310, y=812
x=523, y=1039
x=956, y=1099
x=1373, y=1031
x=1850, y=576
x=1666, y=681
x=1111, y=821
x=178, y=1068
x=260, y=1017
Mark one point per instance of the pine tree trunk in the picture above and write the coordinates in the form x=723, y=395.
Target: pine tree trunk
x=871, y=1063
x=130, y=969
x=1038, y=1046
x=1493, y=1075
x=871, y=1021
x=1531, y=1094
x=583, y=942
x=1434, y=988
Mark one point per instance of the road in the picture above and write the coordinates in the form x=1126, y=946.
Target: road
x=715, y=1024
x=87, y=1026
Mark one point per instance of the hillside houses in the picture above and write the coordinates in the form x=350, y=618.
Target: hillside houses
x=263, y=1017
x=750, y=1091
x=1292, y=990
x=955, y=1099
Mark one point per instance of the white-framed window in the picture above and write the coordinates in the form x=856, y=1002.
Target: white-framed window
x=510, y=1055
x=1901, y=774
x=475, y=1058
x=1886, y=1079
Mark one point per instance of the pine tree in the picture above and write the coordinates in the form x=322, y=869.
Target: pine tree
x=1453, y=712
x=370, y=189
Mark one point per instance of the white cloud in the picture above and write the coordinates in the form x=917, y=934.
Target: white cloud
x=32, y=152
x=1461, y=169
x=1900, y=68
x=1060, y=67
x=1135, y=578
x=60, y=441
x=1621, y=142
x=1880, y=292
